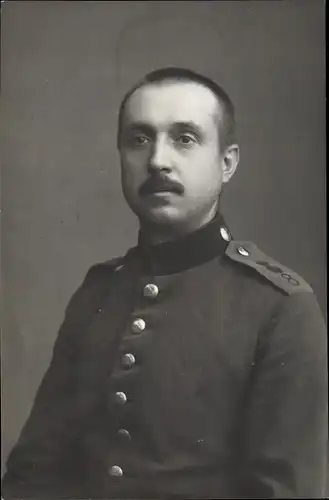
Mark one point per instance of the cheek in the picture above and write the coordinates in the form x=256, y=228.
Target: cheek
x=204, y=171
x=135, y=159
x=132, y=169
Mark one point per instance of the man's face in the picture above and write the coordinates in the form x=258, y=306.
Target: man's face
x=171, y=163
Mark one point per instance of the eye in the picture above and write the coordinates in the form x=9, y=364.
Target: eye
x=139, y=140
x=186, y=139
x=135, y=139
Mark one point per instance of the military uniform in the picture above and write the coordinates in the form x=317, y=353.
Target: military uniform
x=189, y=369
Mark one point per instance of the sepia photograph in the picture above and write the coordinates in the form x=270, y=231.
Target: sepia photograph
x=163, y=250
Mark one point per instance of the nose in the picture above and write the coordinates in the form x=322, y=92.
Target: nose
x=160, y=156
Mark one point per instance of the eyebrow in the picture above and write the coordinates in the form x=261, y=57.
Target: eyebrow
x=189, y=125
x=181, y=125
x=145, y=127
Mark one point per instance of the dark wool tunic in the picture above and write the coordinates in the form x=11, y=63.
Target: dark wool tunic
x=189, y=369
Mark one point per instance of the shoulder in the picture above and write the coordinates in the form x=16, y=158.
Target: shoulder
x=291, y=306
x=95, y=283
x=100, y=275
x=261, y=265
x=103, y=269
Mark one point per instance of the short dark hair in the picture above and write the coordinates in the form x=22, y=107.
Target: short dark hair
x=227, y=123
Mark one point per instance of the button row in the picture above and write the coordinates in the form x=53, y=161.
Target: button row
x=128, y=360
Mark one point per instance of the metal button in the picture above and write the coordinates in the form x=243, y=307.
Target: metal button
x=128, y=360
x=225, y=234
x=151, y=291
x=115, y=470
x=120, y=398
x=138, y=325
x=124, y=434
x=243, y=251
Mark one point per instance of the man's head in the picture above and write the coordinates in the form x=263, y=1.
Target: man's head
x=176, y=143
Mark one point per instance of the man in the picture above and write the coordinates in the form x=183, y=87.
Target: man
x=194, y=366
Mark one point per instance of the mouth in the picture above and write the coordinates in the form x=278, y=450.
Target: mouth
x=161, y=191
x=160, y=196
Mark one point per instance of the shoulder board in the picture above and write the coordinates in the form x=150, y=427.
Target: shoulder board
x=281, y=276
x=100, y=269
x=115, y=264
x=97, y=277
x=118, y=262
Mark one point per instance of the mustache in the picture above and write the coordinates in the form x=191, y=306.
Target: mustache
x=160, y=183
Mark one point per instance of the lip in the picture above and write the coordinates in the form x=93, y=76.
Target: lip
x=161, y=193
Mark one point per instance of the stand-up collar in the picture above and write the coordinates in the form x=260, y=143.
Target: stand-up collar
x=188, y=251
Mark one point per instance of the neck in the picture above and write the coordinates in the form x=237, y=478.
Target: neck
x=161, y=233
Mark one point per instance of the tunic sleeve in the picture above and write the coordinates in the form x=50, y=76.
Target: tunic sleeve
x=286, y=434
x=38, y=465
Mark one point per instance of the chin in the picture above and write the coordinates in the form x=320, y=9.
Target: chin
x=162, y=215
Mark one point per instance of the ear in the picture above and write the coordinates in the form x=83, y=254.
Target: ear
x=230, y=161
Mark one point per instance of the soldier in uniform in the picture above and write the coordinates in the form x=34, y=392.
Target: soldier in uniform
x=194, y=366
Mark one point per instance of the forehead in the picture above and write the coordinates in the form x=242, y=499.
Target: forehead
x=169, y=102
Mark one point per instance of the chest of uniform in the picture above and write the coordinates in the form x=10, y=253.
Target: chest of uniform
x=179, y=332
x=182, y=361
x=187, y=336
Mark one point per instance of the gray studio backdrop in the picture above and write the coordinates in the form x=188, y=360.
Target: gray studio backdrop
x=65, y=66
